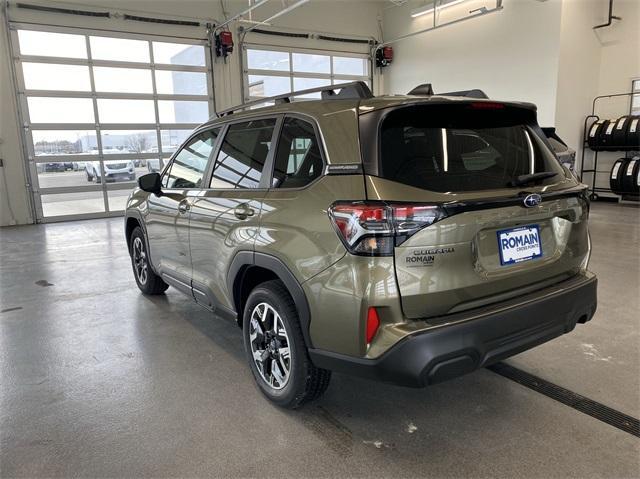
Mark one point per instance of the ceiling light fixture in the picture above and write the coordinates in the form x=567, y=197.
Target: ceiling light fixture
x=429, y=7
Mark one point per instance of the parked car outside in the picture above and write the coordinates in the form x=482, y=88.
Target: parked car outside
x=54, y=167
x=114, y=170
x=153, y=165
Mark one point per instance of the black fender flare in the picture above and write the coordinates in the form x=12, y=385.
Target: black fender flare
x=244, y=259
x=136, y=215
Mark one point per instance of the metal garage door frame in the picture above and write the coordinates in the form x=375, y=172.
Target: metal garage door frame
x=27, y=127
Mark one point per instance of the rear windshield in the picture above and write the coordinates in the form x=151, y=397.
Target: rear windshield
x=462, y=148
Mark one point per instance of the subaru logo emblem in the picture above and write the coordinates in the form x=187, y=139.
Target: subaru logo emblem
x=532, y=200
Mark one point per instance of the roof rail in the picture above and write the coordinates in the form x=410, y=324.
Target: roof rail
x=347, y=91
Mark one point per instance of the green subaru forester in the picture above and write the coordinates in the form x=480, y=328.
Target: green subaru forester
x=409, y=239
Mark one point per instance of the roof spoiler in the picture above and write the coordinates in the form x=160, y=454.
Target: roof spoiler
x=423, y=90
x=468, y=93
x=351, y=91
x=426, y=89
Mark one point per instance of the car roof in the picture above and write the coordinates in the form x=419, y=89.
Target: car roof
x=315, y=108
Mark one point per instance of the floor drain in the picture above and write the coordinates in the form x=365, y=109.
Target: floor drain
x=585, y=405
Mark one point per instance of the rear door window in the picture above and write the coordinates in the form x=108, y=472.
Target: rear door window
x=243, y=154
x=461, y=150
x=298, y=160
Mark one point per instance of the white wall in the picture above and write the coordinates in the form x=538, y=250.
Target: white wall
x=619, y=65
x=595, y=62
x=341, y=18
x=620, y=54
x=511, y=54
x=579, y=68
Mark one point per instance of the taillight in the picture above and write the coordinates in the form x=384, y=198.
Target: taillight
x=373, y=229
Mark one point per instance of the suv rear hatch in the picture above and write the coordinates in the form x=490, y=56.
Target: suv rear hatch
x=481, y=210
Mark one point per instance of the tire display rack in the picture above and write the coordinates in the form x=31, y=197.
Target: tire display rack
x=588, y=122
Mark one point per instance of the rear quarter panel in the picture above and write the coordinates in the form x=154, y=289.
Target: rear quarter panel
x=295, y=226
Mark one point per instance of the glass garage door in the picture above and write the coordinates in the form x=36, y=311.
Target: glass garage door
x=271, y=71
x=101, y=109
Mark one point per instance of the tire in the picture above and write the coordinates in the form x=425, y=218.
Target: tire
x=148, y=282
x=303, y=382
x=616, y=175
x=629, y=177
x=89, y=177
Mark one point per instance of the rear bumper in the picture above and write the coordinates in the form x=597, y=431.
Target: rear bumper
x=476, y=339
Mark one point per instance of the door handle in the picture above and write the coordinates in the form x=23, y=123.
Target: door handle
x=183, y=206
x=242, y=212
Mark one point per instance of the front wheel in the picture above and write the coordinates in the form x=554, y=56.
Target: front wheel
x=147, y=280
x=276, y=351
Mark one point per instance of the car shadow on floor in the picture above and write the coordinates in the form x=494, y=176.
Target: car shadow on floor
x=466, y=418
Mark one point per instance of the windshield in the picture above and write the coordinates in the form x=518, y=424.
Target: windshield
x=474, y=150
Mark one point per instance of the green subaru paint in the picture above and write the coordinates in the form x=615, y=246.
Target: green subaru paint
x=414, y=238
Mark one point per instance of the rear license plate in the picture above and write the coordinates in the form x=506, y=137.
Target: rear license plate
x=519, y=244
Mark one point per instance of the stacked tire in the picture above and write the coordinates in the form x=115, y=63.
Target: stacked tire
x=622, y=134
x=624, y=179
x=594, y=135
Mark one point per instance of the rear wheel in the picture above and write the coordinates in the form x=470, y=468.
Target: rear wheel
x=147, y=280
x=276, y=351
x=89, y=177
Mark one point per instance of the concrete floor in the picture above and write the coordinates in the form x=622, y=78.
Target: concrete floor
x=98, y=380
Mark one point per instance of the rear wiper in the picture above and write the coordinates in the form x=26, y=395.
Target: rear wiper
x=526, y=179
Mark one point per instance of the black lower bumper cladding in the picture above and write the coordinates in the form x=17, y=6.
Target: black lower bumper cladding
x=451, y=350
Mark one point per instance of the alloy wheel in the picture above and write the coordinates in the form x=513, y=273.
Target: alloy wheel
x=270, y=346
x=140, y=260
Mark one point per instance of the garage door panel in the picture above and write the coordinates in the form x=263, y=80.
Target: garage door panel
x=52, y=76
x=64, y=142
x=122, y=80
x=62, y=174
x=102, y=110
x=49, y=44
x=275, y=70
x=179, y=54
x=60, y=110
x=65, y=204
x=119, y=49
x=181, y=83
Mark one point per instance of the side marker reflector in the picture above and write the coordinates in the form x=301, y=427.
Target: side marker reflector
x=373, y=322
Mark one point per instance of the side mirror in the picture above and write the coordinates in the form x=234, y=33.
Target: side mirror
x=151, y=182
